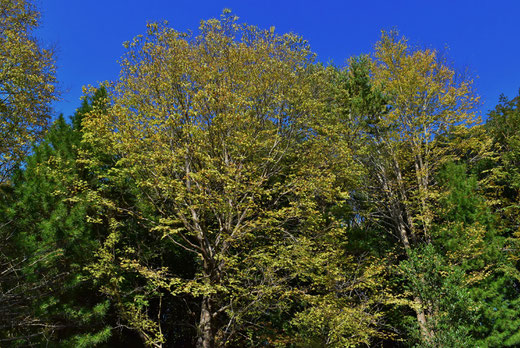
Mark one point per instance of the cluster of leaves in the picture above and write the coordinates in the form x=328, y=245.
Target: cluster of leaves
x=27, y=84
x=228, y=190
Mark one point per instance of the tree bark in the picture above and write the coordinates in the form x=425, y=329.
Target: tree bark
x=206, y=336
x=403, y=232
x=419, y=310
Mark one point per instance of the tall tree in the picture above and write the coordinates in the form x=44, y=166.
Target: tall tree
x=499, y=176
x=27, y=83
x=405, y=102
x=52, y=243
x=220, y=134
x=27, y=86
x=502, y=169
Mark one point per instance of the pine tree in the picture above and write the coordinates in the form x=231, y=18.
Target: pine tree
x=50, y=230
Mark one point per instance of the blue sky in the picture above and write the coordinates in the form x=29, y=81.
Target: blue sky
x=481, y=36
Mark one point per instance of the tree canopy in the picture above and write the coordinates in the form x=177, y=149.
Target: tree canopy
x=228, y=190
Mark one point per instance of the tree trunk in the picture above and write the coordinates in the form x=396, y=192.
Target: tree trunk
x=426, y=334
x=206, y=337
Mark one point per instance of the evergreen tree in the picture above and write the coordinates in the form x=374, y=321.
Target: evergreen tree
x=50, y=230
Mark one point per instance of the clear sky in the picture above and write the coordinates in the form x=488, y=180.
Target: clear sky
x=482, y=36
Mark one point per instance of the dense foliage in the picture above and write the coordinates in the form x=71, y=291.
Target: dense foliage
x=27, y=83
x=228, y=190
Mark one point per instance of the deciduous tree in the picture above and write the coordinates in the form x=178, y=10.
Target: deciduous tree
x=27, y=83
x=222, y=138
x=404, y=102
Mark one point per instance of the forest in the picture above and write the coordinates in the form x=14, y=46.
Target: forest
x=229, y=190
